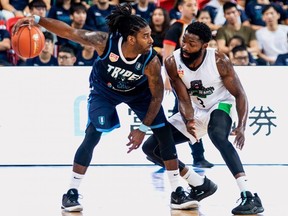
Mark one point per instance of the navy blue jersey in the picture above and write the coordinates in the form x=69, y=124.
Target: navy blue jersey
x=116, y=72
x=115, y=80
x=19, y=4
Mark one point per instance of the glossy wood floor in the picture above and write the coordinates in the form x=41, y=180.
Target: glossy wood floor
x=132, y=191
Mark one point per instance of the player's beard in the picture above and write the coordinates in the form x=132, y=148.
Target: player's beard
x=192, y=56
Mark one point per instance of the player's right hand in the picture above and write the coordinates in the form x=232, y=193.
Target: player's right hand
x=23, y=21
x=190, y=125
x=135, y=139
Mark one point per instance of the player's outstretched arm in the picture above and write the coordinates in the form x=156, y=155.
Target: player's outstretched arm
x=95, y=39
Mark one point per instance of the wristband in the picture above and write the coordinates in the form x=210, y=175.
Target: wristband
x=36, y=19
x=143, y=128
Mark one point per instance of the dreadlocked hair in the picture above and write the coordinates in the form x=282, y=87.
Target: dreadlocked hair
x=122, y=20
x=201, y=30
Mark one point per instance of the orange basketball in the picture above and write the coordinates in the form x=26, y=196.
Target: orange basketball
x=28, y=42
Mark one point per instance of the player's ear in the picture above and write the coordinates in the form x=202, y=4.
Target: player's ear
x=205, y=45
x=131, y=39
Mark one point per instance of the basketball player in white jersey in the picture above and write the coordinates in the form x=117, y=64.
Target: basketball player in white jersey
x=208, y=89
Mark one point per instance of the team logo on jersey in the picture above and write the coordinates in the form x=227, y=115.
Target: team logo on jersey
x=101, y=120
x=197, y=89
x=113, y=57
x=138, y=66
x=180, y=71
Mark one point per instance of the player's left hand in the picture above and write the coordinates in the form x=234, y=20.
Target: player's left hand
x=135, y=139
x=240, y=137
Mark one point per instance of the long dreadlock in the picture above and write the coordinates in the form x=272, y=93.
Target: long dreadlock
x=122, y=21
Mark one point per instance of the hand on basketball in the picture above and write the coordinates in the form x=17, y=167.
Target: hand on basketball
x=240, y=137
x=24, y=21
x=135, y=139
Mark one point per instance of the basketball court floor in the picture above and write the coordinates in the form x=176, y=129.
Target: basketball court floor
x=132, y=191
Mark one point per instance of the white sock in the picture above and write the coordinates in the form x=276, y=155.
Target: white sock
x=242, y=183
x=173, y=177
x=193, y=178
x=76, y=179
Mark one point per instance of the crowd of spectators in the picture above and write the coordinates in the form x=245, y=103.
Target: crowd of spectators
x=251, y=32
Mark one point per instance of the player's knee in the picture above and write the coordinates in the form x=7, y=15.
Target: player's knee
x=216, y=135
x=219, y=127
x=150, y=145
x=168, y=153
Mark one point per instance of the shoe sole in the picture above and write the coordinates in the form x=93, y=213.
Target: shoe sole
x=184, y=206
x=260, y=209
x=78, y=208
x=211, y=191
x=251, y=212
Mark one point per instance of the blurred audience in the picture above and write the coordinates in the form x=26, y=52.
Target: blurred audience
x=259, y=26
x=282, y=59
x=213, y=43
x=78, y=14
x=144, y=8
x=234, y=27
x=174, y=13
x=216, y=11
x=61, y=11
x=14, y=8
x=237, y=40
x=5, y=43
x=96, y=15
x=86, y=56
x=204, y=16
x=39, y=7
x=173, y=37
x=240, y=56
x=66, y=56
x=254, y=10
x=159, y=25
x=272, y=36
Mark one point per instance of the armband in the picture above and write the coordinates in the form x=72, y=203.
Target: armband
x=36, y=18
x=143, y=128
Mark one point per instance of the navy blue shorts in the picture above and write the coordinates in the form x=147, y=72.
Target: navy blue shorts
x=102, y=104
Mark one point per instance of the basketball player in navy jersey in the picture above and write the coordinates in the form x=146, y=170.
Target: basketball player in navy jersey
x=127, y=71
x=208, y=89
